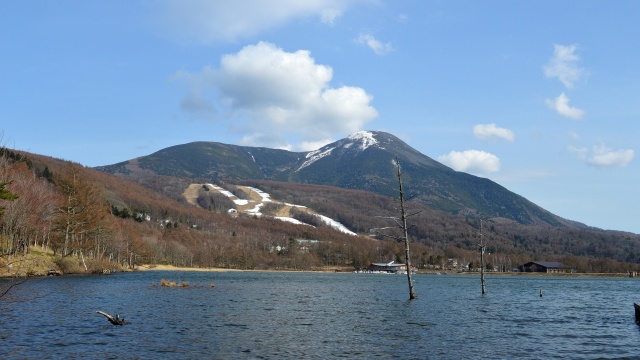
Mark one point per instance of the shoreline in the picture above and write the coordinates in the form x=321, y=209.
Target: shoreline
x=195, y=269
x=176, y=268
x=149, y=267
x=332, y=270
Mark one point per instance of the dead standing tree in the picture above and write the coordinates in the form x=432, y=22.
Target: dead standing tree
x=401, y=223
x=482, y=249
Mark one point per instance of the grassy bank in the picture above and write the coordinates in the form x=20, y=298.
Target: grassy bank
x=39, y=262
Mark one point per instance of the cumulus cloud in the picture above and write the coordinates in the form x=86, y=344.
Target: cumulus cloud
x=602, y=156
x=563, y=65
x=471, y=161
x=490, y=131
x=374, y=44
x=274, y=96
x=210, y=21
x=561, y=105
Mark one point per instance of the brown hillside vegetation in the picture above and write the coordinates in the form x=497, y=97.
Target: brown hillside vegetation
x=508, y=243
x=93, y=222
x=116, y=221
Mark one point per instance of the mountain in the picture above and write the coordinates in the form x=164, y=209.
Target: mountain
x=362, y=161
x=122, y=221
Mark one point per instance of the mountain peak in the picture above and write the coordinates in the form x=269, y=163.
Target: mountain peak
x=360, y=140
x=363, y=161
x=363, y=139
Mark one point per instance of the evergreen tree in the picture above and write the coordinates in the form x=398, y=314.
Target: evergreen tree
x=5, y=194
x=47, y=174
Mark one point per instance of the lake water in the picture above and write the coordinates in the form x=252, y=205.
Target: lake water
x=267, y=315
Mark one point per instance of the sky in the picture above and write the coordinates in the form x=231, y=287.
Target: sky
x=542, y=97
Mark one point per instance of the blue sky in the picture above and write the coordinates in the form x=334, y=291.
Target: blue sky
x=542, y=97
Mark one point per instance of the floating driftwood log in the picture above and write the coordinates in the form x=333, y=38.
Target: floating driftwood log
x=114, y=320
x=184, y=284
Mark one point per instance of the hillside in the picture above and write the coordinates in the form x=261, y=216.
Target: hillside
x=102, y=220
x=191, y=226
x=362, y=161
x=457, y=236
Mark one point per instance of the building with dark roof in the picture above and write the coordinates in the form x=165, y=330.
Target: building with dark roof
x=391, y=267
x=543, y=267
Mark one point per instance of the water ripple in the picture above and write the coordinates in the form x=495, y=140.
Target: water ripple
x=322, y=316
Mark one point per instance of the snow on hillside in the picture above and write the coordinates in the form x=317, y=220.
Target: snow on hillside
x=229, y=195
x=315, y=156
x=265, y=197
x=294, y=205
x=334, y=224
x=364, y=138
x=291, y=220
x=255, y=211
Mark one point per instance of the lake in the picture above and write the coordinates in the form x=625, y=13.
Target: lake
x=280, y=315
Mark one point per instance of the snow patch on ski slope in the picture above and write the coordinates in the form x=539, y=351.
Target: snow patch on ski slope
x=229, y=195
x=291, y=220
x=265, y=197
x=255, y=211
x=335, y=224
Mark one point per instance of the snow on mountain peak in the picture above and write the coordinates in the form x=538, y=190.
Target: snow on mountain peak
x=364, y=138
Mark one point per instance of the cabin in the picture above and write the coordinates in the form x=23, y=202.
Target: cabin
x=392, y=267
x=305, y=245
x=543, y=267
x=452, y=263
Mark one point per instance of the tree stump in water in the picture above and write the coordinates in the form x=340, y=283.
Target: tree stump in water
x=114, y=320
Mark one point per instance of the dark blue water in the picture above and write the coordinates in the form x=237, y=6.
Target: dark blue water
x=254, y=315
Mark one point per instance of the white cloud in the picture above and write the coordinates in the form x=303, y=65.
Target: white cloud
x=374, y=44
x=563, y=65
x=313, y=145
x=489, y=131
x=471, y=161
x=273, y=96
x=208, y=21
x=602, y=156
x=561, y=105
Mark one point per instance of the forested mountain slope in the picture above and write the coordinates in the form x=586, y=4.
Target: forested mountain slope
x=362, y=161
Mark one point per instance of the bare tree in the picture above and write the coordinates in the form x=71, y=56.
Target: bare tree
x=482, y=265
x=401, y=223
x=7, y=287
x=83, y=212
